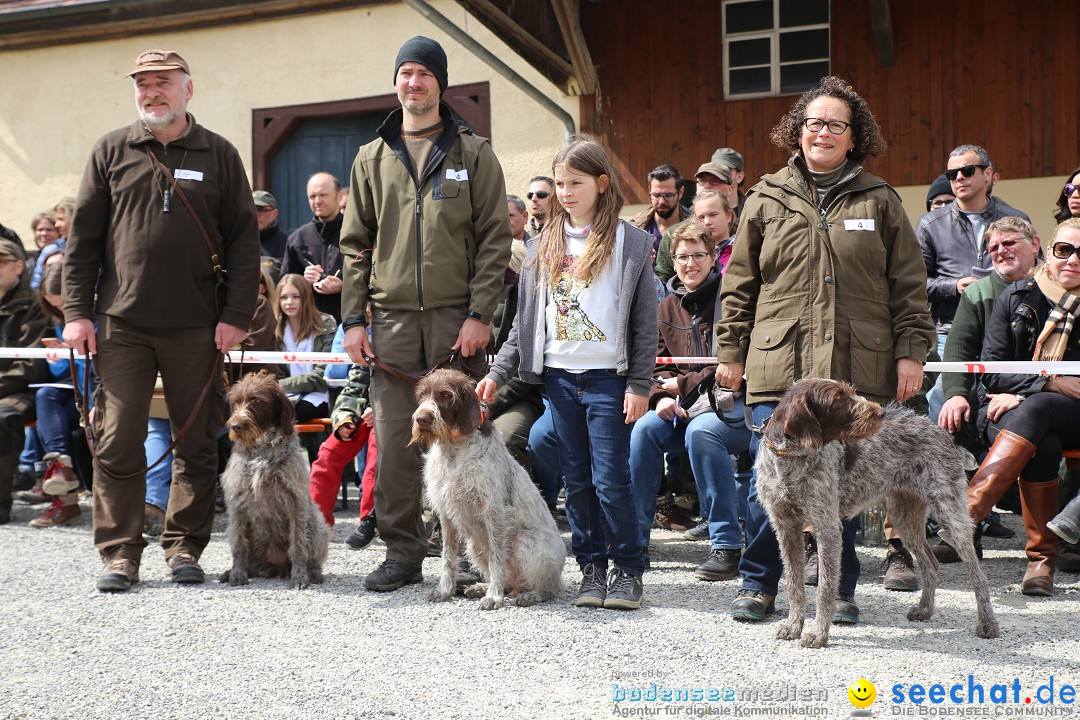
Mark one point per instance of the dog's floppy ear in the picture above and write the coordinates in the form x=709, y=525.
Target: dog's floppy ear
x=286, y=412
x=797, y=418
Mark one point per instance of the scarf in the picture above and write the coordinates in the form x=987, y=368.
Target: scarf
x=1059, y=324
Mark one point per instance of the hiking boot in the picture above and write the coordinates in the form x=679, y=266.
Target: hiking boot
x=624, y=592
x=847, y=612
x=119, y=575
x=153, y=521
x=59, y=478
x=24, y=479
x=593, y=588
x=698, y=532
x=811, y=568
x=1066, y=524
x=363, y=534
x=57, y=514
x=35, y=495
x=391, y=575
x=899, y=569
x=1068, y=558
x=752, y=605
x=185, y=569
x=946, y=553
x=993, y=527
x=722, y=564
x=672, y=517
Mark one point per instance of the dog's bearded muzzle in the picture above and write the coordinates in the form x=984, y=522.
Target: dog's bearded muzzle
x=243, y=428
x=427, y=424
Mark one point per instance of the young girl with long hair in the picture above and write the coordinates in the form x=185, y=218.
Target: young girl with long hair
x=712, y=208
x=586, y=328
x=301, y=328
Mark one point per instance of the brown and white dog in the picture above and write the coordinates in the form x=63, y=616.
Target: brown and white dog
x=828, y=454
x=484, y=498
x=275, y=529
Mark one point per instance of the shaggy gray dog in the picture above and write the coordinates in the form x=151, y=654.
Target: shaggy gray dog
x=828, y=454
x=482, y=496
x=275, y=529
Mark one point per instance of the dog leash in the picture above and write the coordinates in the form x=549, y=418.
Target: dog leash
x=454, y=361
x=84, y=416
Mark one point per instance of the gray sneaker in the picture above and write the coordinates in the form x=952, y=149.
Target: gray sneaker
x=722, y=564
x=698, y=532
x=624, y=592
x=593, y=588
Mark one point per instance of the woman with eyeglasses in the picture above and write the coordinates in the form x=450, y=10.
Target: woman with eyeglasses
x=827, y=280
x=1068, y=203
x=1033, y=417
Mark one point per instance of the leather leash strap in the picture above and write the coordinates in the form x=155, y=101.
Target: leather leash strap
x=454, y=361
x=84, y=415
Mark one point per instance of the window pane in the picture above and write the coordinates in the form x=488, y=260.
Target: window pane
x=804, y=45
x=751, y=81
x=748, y=16
x=750, y=52
x=803, y=12
x=802, y=76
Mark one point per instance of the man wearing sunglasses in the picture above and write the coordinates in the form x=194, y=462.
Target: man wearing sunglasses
x=666, y=210
x=953, y=246
x=541, y=188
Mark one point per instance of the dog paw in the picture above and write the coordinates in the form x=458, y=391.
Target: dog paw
x=300, y=581
x=789, y=630
x=477, y=590
x=918, y=613
x=988, y=629
x=317, y=577
x=811, y=639
x=235, y=577
x=438, y=596
x=490, y=603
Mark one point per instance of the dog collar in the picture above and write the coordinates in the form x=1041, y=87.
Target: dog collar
x=484, y=412
x=772, y=446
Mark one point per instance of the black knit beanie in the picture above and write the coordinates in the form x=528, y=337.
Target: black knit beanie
x=428, y=53
x=940, y=186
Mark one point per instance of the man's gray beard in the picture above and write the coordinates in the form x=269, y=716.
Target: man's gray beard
x=419, y=109
x=158, y=123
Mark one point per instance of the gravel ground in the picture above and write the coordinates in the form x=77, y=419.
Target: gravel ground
x=337, y=651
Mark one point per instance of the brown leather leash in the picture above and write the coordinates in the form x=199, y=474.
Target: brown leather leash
x=84, y=415
x=453, y=361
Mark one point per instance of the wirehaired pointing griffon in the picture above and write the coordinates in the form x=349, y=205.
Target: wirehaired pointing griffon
x=484, y=498
x=828, y=454
x=275, y=529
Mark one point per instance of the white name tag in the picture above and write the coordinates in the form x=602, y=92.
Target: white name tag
x=459, y=175
x=867, y=224
x=182, y=174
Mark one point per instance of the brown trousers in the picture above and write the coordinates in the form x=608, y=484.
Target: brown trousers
x=412, y=342
x=128, y=361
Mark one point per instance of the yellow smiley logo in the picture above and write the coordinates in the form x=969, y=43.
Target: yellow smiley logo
x=862, y=693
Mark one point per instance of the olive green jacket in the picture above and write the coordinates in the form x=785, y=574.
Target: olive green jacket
x=442, y=242
x=833, y=293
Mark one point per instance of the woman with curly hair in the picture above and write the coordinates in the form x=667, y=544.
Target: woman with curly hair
x=826, y=279
x=1068, y=202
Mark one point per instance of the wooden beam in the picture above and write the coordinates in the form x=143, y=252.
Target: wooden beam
x=568, y=13
x=511, y=32
x=881, y=23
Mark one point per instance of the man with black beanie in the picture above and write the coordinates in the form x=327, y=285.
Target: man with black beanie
x=427, y=208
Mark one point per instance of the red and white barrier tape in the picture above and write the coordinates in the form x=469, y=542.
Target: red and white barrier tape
x=266, y=357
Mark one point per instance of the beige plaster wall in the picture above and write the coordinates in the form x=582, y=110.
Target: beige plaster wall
x=55, y=102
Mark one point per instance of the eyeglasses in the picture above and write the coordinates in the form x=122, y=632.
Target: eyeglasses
x=539, y=194
x=1063, y=250
x=698, y=258
x=966, y=171
x=995, y=248
x=836, y=127
x=1070, y=189
x=935, y=204
x=662, y=196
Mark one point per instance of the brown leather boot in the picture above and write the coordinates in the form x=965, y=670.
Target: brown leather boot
x=1000, y=469
x=1039, y=501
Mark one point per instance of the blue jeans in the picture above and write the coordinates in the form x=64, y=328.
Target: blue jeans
x=158, y=479
x=56, y=417
x=710, y=442
x=545, y=456
x=936, y=397
x=594, y=448
x=761, y=566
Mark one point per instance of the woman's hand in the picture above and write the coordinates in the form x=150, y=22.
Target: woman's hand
x=670, y=385
x=1000, y=404
x=668, y=409
x=485, y=390
x=909, y=379
x=954, y=413
x=729, y=375
x=634, y=406
x=1068, y=386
